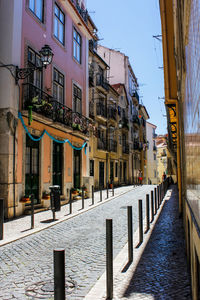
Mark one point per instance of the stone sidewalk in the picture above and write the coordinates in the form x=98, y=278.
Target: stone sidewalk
x=21, y=227
x=159, y=269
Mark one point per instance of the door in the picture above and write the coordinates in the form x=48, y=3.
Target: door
x=32, y=169
x=111, y=171
x=77, y=169
x=101, y=174
x=124, y=172
x=57, y=164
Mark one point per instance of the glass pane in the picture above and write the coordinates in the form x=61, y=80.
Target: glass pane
x=78, y=54
x=60, y=94
x=61, y=32
x=56, y=27
x=78, y=38
x=34, y=161
x=55, y=90
x=56, y=10
x=75, y=34
x=27, y=160
x=39, y=8
x=74, y=49
x=61, y=17
x=31, y=5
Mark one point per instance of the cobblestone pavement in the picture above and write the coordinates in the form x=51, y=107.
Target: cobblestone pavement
x=21, y=227
x=26, y=268
x=161, y=273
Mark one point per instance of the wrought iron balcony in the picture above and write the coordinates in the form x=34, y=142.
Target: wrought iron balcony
x=44, y=104
x=91, y=76
x=101, y=81
x=112, y=145
x=82, y=12
x=154, y=135
x=102, y=144
x=135, y=95
x=125, y=148
x=135, y=119
x=91, y=109
x=112, y=112
x=101, y=109
x=125, y=122
x=136, y=145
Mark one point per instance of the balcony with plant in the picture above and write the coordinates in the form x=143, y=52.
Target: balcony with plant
x=45, y=105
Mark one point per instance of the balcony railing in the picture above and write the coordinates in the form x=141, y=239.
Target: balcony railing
x=112, y=145
x=112, y=112
x=101, y=81
x=91, y=76
x=125, y=122
x=125, y=148
x=135, y=119
x=135, y=95
x=44, y=104
x=102, y=144
x=154, y=135
x=82, y=12
x=101, y=110
x=154, y=148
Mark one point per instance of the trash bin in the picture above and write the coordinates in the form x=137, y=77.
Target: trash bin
x=55, y=197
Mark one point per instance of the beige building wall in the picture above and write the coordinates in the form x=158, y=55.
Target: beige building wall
x=151, y=154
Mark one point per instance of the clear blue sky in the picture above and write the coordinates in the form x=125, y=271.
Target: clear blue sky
x=129, y=26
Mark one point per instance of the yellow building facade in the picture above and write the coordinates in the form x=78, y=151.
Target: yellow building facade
x=180, y=38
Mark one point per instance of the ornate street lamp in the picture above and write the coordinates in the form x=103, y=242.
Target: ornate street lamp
x=46, y=59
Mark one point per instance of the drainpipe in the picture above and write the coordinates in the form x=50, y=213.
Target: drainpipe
x=14, y=150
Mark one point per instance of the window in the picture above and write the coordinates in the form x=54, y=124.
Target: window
x=59, y=24
x=154, y=173
x=34, y=61
x=37, y=7
x=58, y=86
x=154, y=156
x=116, y=169
x=77, y=45
x=91, y=167
x=77, y=99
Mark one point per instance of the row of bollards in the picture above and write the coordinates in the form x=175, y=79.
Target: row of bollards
x=157, y=197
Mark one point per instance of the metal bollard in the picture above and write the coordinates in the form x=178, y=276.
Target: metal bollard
x=100, y=194
x=92, y=195
x=1, y=218
x=130, y=234
x=109, y=259
x=112, y=189
x=140, y=221
x=82, y=198
x=107, y=190
x=70, y=202
x=155, y=200
x=32, y=211
x=158, y=201
x=152, y=207
x=59, y=274
x=147, y=213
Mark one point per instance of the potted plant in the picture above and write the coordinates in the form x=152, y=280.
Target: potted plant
x=25, y=199
x=46, y=195
x=74, y=191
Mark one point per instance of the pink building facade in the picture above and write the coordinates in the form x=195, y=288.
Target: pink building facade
x=54, y=99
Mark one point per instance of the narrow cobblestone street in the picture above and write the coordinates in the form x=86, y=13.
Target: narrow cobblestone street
x=26, y=263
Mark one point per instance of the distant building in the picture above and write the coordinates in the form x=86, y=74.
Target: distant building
x=151, y=154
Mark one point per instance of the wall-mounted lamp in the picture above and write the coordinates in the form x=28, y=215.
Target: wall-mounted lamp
x=21, y=73
x=46, y=59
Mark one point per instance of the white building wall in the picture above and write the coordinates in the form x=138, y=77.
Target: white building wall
x=151, y=162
